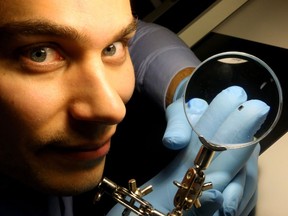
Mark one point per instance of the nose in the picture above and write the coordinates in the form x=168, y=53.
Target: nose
x=94, y=95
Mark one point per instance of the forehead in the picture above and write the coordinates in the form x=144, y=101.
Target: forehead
x=89, y=14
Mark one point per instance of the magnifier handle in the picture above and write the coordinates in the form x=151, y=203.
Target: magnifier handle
x=193, y=183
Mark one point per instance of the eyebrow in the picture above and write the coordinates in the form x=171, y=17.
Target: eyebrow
x=40, y=27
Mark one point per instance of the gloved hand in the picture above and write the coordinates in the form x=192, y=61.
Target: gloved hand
x=229, y=171
x=239, y=192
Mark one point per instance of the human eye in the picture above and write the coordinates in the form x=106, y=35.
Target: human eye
x=115, y=53
x=40, y=58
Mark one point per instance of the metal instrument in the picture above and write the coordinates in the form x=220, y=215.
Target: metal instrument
x=187, y=196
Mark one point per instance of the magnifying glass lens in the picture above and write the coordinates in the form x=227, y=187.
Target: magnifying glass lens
x=240, y=82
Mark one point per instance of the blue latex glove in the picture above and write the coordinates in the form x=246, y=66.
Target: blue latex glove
x=230, y=177
x=241, y=190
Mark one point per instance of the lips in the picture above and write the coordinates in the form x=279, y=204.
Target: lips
x=85, y=152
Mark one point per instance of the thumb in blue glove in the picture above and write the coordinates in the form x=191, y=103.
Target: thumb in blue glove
x=178, y=130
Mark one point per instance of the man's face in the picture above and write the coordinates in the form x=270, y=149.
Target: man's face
x=65, y=76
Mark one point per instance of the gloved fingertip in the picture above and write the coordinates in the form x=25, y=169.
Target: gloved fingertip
x=175, y=142
x=236, y=91
x=196, y=106
x=178, y=131
x=211, y=201
x=231, y=209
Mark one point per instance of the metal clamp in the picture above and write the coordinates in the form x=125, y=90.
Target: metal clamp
x=192, y=185
x=131, y=199
x=187, y=196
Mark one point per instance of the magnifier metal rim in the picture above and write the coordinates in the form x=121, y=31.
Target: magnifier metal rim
x=221, y=147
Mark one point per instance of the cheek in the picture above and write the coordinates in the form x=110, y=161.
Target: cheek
x=125, y=82
x=128, y=88
x=25, y=113
x=28, y=105
x=17, y=120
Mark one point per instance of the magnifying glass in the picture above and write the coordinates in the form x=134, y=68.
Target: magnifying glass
x=228, y=69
